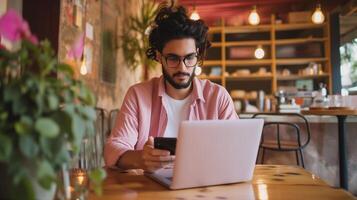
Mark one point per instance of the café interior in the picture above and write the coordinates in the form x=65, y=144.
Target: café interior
x=290, y=62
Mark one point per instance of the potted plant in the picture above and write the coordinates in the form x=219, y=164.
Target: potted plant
x=135, y=41
x=44, y=114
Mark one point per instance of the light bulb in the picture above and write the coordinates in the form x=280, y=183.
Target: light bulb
x=318, y=17
x=198, y=70
x=259, y=52
x=254, y=18
x=195, y=15
x=83, y=69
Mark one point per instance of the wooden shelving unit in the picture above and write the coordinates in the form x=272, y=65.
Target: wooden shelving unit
x=212, y=62
x=299, y=61
x=212, y=78
x=248, y=62
x=248, y=43
x=273, y=63
x=250, y=77
x=300, y=77
x=247, y=29
x=287, y=27
x=299, y=41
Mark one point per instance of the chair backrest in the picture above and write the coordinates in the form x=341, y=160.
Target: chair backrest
x=91, y=152
x=290, y=120
x=111, y=119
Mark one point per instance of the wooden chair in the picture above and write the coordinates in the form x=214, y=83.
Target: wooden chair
x=91, y=152
x=111, y=119
x=293, y=140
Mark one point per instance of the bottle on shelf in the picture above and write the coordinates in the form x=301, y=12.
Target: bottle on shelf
x=320, y=100
x=260, y=100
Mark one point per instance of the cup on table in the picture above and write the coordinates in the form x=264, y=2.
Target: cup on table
x=334, y=101
x=339, y=101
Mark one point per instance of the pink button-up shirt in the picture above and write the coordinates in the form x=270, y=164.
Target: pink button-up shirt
x=143, y=114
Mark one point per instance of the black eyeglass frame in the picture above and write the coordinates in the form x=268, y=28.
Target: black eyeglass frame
x=181, y=59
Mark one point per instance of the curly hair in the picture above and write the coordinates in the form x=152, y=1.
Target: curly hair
x=173, y=23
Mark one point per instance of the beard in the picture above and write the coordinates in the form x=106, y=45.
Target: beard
x=176, y=85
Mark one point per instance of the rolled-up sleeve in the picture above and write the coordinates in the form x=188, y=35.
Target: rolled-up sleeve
x=124, y=135
x=226, y=106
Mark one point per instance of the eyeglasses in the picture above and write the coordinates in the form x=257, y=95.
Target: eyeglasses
x=173, y=61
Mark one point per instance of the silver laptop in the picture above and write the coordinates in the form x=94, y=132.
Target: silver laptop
x=212, y=152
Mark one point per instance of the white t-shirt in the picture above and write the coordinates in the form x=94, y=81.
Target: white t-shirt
x=177, y=111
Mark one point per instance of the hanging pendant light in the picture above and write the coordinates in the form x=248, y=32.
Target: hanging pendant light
x=318, y=17
x=194, y=15
x=254, y=18
x=259, y=52
x=83, y=70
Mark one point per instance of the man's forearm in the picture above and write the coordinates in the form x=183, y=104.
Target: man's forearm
x=131, y=160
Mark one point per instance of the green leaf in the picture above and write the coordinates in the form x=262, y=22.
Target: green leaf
x=23, y=126
x=47, y=127
x=26, y=191
x=96, y=177
x=11, y=93
x=78, y=128
x=5, y=147
x=52, y=102
x=3, y=116
x=45, y=145
x=19, y=106
x=28, y=146
x=64, y=119
x=89, y=112
x=19, y=175
x=65, y=68
x=62, y=156
x=45, y=174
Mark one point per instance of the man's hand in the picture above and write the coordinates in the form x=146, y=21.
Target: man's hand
x=154, y=159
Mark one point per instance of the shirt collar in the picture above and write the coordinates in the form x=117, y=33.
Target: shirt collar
x=197, y=92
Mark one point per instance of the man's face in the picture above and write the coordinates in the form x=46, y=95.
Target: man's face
x=178, y=59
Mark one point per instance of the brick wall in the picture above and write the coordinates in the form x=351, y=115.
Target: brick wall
x=109, y=96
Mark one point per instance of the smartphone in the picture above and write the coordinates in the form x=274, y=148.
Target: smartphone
x=163, y=143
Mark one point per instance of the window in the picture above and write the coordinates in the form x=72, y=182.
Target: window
x=349, y=66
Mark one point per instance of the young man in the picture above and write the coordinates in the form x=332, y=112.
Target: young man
x=156, y=107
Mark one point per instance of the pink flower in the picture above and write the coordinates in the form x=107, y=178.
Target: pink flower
x=33, y=39
x=14, y=28
x=76, y=50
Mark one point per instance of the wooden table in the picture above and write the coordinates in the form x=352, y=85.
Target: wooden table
x=341, y=115
x=269, y=182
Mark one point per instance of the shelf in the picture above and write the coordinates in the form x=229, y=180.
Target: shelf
x=250, y=77
x=216, y=44
x=248, y=62
x=248, y=43
x=298, y=61
x=286, y=27
x=247, y=29
x=244, y=98
x=215, y=29
x=212, y=63
x=213, y=78
x=298, y=77
x=273, y=37
x=299, y=41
